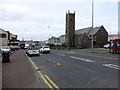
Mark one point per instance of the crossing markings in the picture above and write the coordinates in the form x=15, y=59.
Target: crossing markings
x=46, y=79
x=113, y=66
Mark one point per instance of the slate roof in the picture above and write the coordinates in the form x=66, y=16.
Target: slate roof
x=82, y=31
x=88, y=30
x=2, y=30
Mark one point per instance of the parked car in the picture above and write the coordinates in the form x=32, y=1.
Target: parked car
x=106, y=46
x=45, y=49
x=26, y=47
x=17, y=47
x=5, y=49
x=32, y=51
x=13, y=48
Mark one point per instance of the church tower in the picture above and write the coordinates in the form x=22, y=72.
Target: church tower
x=70, y=29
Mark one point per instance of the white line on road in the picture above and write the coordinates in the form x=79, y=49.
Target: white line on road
x=71, y=52
x=58, y=64
x=112, y=66
x=82, y=59
x=49, y=59
x=54, y=61
x=61, y=54
x=55, y=65
x=42, y=67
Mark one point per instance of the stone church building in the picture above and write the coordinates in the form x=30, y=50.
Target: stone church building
x=82, y=38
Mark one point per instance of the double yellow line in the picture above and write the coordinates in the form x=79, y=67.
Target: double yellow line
x=46, y=79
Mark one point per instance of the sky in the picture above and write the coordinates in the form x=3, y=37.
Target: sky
x=42, y=19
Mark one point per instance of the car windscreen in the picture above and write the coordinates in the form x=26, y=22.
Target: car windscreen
x=4, y=47
x=33, y=48
x=45, y=47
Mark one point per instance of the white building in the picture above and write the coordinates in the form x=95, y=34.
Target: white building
x=6, y=37
x=3, y=37
x=53, y=40
x=62, y=39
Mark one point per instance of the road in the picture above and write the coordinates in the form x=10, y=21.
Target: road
x=73, y=69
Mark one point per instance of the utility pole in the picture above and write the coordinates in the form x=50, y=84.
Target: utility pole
x=92, y=25
x=119, y=20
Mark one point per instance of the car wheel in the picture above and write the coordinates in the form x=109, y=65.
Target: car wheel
x=29, y=55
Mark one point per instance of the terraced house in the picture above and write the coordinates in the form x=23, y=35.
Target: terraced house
x=7, y=38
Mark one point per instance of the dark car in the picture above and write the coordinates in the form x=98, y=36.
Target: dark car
x=13, y=48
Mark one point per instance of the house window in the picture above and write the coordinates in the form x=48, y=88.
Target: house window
x=14, y=38
x=2, y=35
x=90, y=35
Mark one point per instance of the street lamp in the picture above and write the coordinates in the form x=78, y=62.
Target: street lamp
x=92, y=24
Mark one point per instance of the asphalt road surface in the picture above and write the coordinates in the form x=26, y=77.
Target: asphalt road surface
x=73, y=69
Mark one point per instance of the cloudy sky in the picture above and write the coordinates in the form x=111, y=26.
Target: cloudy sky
x=41, y=19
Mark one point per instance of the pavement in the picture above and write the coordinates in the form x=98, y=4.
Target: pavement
x=19, y=73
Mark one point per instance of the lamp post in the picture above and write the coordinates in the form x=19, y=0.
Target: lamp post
x=49, y=41
x=92, y=24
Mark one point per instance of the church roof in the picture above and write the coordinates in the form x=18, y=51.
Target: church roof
x=88, y=30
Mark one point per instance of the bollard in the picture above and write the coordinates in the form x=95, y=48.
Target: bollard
x=5, y=57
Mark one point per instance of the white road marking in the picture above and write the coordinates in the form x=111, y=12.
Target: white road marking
x=55, y=65
x=82, y=59
x=41, y=67
x=71, y=52
x=49, y=59
x=112, y=66
x=54, y=61
x=58, y=64
x=61, y=54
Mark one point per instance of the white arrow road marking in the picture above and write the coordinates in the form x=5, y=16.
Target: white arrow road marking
x=112, y=66
x=82, y=59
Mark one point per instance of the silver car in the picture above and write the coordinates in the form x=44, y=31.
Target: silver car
x=5, y=49
x=32, y=51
